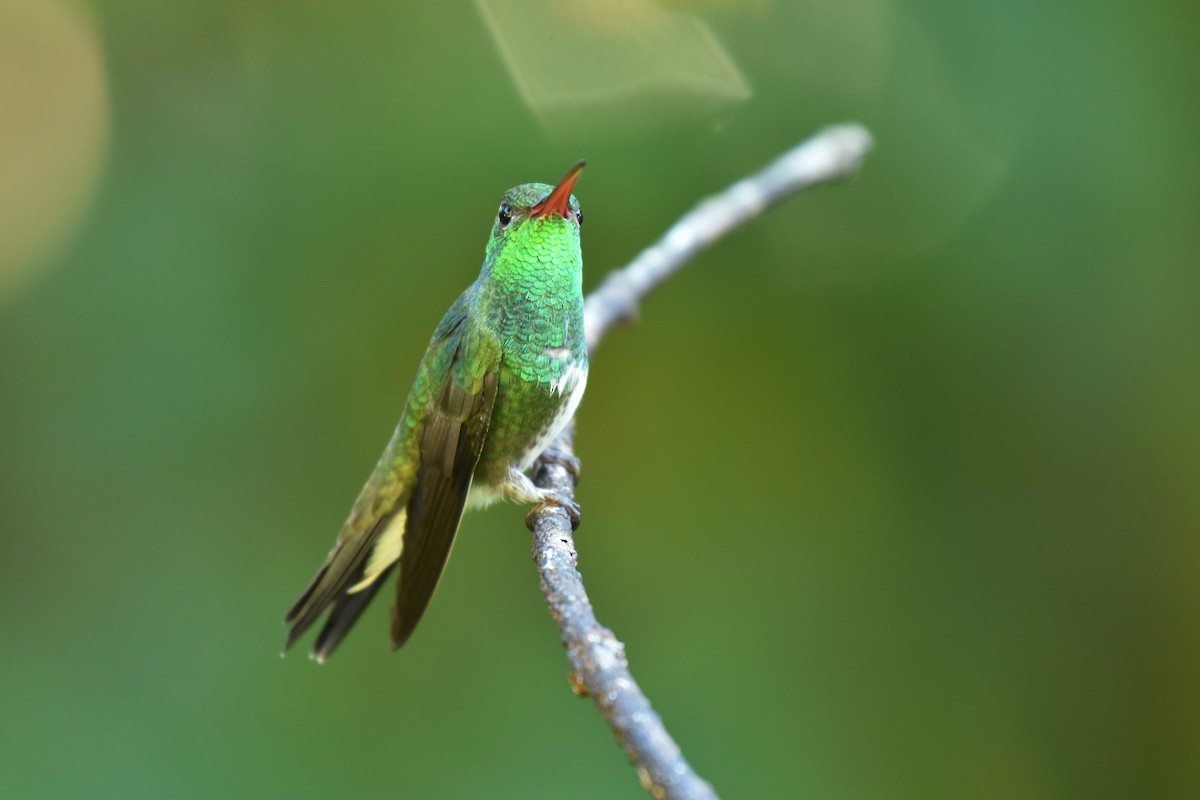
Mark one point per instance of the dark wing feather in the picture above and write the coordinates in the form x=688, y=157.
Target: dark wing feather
x=389, y=489
x=450, y=447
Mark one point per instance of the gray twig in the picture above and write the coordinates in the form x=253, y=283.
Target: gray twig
x=598, y=665
x=832, y=155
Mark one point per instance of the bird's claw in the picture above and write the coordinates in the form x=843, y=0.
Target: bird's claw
x=555, y=499
x=552, y=455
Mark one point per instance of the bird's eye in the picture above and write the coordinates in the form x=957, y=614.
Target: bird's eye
x=505, y=215
x=579, y=217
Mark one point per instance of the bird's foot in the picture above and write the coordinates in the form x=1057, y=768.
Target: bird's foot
x=552, y=455
x=550, y=499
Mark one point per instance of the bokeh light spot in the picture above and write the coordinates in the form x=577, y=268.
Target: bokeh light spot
x=52, y=132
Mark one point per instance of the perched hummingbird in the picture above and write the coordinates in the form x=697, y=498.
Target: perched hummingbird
x=503, y=374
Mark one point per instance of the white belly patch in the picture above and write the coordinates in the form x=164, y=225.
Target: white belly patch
x=571, y=384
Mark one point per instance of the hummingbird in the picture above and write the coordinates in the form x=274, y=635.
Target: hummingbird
x=502, y=376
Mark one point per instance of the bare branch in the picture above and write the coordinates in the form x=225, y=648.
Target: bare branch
x=832, y=155
x=598, y=665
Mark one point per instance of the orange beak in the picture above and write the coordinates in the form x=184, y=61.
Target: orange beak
x=556, y=202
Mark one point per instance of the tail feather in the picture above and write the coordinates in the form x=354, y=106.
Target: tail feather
x=339, y=587
x=295, y=618
x=342, y=616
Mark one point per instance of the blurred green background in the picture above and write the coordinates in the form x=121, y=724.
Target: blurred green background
x=894, y=493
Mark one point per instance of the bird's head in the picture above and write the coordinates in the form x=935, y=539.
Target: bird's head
x=537, y=219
